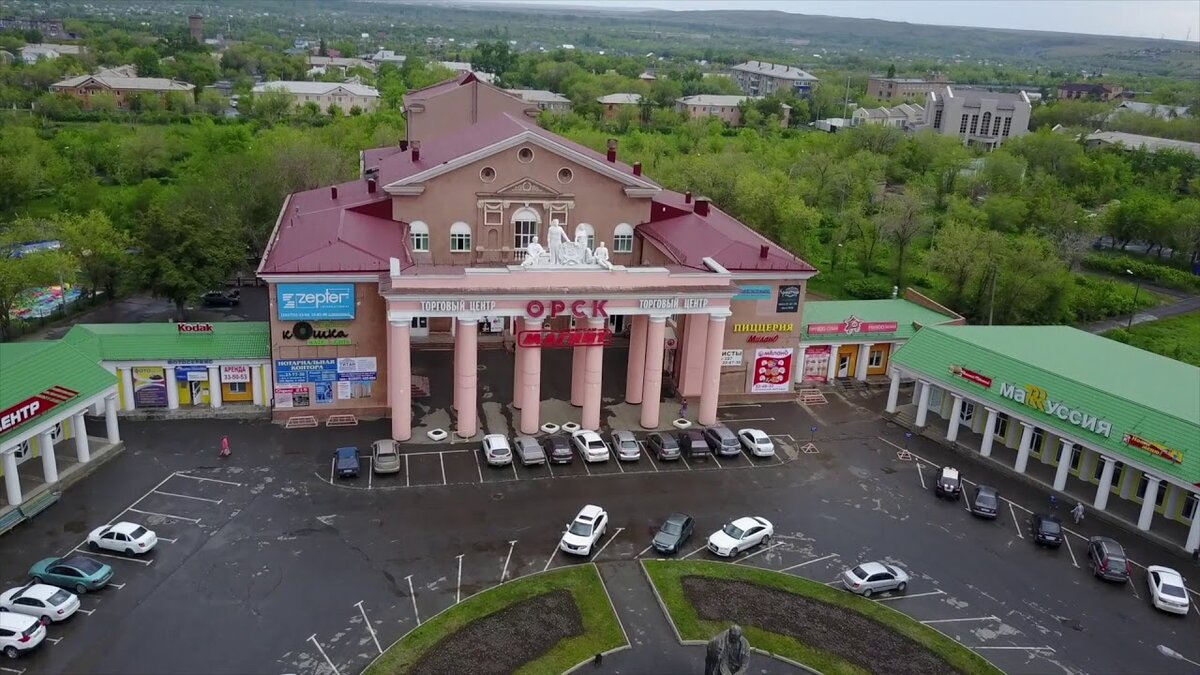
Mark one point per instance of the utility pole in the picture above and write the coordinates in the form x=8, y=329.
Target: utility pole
x=992, y=302
x=846, y=101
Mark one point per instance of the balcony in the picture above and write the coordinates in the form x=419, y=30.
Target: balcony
x=498, y=256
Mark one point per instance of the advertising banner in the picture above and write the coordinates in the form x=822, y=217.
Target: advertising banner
x=235, y=373
x=357, y=369
x=789, y=300
x=754, y=293
x=149, y=387
x=291, y=396
x=299, y=302
x=731, y=358
x=191, y=373
x=302, y=371
x=816, y=364
x=772, y=371
x=852, y=326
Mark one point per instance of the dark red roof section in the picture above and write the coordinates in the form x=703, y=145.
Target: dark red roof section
x=372, y=157
x=435, y=89
x=688, y=238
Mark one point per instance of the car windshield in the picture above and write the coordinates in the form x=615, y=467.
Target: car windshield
x=59, y=598
x=733, y=531
x=671, y=527
x=85, y=565
x=1051, y=527
x=581, y=528
x=138, y=532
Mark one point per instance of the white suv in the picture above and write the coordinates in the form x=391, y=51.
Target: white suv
x=583, y=533
x=19, y=633
x=590, y=446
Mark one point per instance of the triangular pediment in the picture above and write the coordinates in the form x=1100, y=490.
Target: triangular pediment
x=527, y=186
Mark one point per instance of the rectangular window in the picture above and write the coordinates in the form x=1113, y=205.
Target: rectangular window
x=967, y=413
x=523, y=232
x=1007, y=125
x=974, y=124
x=962, y=124
x=1116, y=477
x=1076, y=457
x=875, y=360
x=937, y=119
x=237, y=387
x=1001, y=427
x=1189, y=506
x=420, y=322
x=1036, y=440
x=996, y=127
x=460, y=242
x=1144, y=484
x=420, y=242
x=623, y=243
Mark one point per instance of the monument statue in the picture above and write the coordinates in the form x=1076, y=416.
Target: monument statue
x=563, y=252
x=555, y=238
x=600, y=256
x=533, y=253
x=728, y=653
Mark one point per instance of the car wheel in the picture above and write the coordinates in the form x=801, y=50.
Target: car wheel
x=867, y=592
x=3, y=609
x=766, y=539
x=38, y=579
x=11, y=652
x=80, y=589
x=46, y=621
x=129, y=551
x=901, y=586
x=93, y=545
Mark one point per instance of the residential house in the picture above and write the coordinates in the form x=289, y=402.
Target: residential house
x=1093, y=91
x=32, y=53
x=613, y=103
x=459, y=103
x=462, y=67
x=344, y=95
x=1162, y=112
x=904, y=116
x=758, y=78
x=904, y=89
x=320, y=65
x=387, y=56
x=544, y=100
x=979, y=117
x=121, y=85
x=725, y=107
x=1139, y=142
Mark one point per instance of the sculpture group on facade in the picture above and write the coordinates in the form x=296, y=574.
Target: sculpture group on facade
x=562, y=252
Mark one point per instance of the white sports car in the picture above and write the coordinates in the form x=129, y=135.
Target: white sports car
x=741, y=534
x=124, y=537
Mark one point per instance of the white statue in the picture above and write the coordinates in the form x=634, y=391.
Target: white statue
x=581, y=244
x=555, y=238
x=600, y=256
x=533, y=253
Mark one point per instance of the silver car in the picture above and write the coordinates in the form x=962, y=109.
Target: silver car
x=529, y=450
x=626, y=446
x=385, y=456
x=869, y=578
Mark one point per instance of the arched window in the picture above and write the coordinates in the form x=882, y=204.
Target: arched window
x=418, y=236
x=987, y=122
x=623, y=239
x=525, y=227
x=587, y=231
x=460, y=237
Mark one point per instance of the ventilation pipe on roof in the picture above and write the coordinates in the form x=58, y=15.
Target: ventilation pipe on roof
x=637, y=168
x=687, y=197
x=416, y=151
x=333, y=192
x=763, y=251
x=701, y=207
x=612, y=150
x=371, y=186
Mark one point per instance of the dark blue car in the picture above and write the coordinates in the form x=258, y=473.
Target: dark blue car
x=345, y=462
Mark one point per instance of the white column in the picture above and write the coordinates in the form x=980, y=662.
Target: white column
x=798, y=364
x=989, y=433
x=214, y=386
x=12, y=481
x=110, y=418
x=172, y=389
x=1193, y=538
x=916, y=395
x=955, y=411
x=923, y=404
x=860, y=365
x=833, y=363
x=1064, y=464
x=1023, y=449
x=127, y=387
x=256, y=384
x=1105, y=487
x=82, y=452
x=49, y=461
x=894, y=391
x=268, y=379
x=1148, y=502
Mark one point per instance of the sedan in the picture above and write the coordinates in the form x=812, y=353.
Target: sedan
x=75, y=573
x=558, y=449
x=45, y=602
x=692, y=443
x=673, y=533
x=741, y=534
x=529, y=451
x=986, y=503
x=221, y=299
x=590, y=446
x=125, y=537
x=385, y=456
x=873, y=577
x=626, y=446
x=1046, y=530
x=345, y=462
x=757, y=442
x=663, y=446
x=496, y=450
x=1167, y=591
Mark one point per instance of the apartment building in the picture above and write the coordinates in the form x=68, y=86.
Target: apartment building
x=613, y=103
x=724, y=107
x=544, y=100
x=979, y=117
x=904, y=116
x=32, y=53
x=344, y=95
x=123, y=89
x=319, y=65
x=904, y=89
x=758, y=78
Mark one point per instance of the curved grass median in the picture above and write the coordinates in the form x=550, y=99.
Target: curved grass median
x=542, y=623
x=824, y=628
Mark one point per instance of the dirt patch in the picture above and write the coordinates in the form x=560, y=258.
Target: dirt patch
x=506, y=640
x=829, y=628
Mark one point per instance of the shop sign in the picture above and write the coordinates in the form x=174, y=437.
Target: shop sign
x=772, y=371
x=235, y=374
x=191, y=373
x=194, y=327
x=673, y=303
x=33, y=407
x=321, y=335
x=315, y=301
x=176, y=362
x=291, y=396
x=852, y=326
x=357, y=369
x=1156, y=449
x=1039, y=399
x=816, y=363
x=555, y=339
x=762, y=339
x=578, y=308
x=303, y=371
x=149, y=386
x=731, y=358
x=971, y=376
x=763, y=327
x=754, y=293
x=456, y=306
x=788, y=301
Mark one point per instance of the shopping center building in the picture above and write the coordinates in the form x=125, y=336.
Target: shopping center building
x=484, y=227
x=1086, y=415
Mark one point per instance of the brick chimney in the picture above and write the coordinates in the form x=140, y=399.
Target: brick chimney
x=637, y=168
x=371, y=186
x=701, y=207
x=333, y=192
x=416, y=151
x=612, y=150
x=763, y=251
x=687, y=197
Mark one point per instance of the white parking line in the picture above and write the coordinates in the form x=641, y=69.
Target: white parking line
x=169, y=541
x=914, y=595
x=921, y=475
x=406, y=474
x=199, y=499
x=618, y=461
x=585, y=466
x=748, y=419
x=313, y=637
x=86, y=611
x=118, y=557
x=550, y=559
x=458, y=586
x=761, y=550
x=973, y=618
x=163, y=515
x=116, y=586
x=1027, y=649
x=53, y=640
x=835, y=582
x=332, y=464
x=439, y=452
x=412, y=594
x=371, y=628
x=714, y=458
x=685, y=462
x=513, y=464
x=511, y=545
x=809, y=562
x=370, y=471
x=1016, y=523
x=693, y=552
x=1067, y=543
x=442, y=459
x=478, y=466
x=643, y=551
x=740, y=405
x=610, y=540
x=12, y=670
x=211, y=480
x=1133, y=588
x=648, y=456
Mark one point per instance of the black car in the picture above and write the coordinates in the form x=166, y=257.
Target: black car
x=662, y=446
x=1108, y=559
x=1046, y=530
x=692, y=443
x=221, y=299
x=558, y=449
x=673, y=533
x=986, y=503
x=722, y=441
x=948, y=483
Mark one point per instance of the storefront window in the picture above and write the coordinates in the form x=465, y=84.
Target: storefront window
x=1001, y=427
x=876, y=359
x=1036, y=440
x=1076, y=457
x=1189, y=506
x=238, y=387
x=420, y=322
x=967, y=413
x=1116, y=479
x=1144, y=484
x=935, y=398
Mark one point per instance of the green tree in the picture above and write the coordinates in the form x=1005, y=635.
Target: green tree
x=903, y=218
x=98, y=247
x=185, y=252
x=1005, y=213
x=271, y=106
x=891, y=71
x=961, y=253
x=493, y=57
x=146, y=60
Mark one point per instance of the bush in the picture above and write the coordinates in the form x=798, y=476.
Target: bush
x=869, y=289
x=1093, y=299
x=1162, y=275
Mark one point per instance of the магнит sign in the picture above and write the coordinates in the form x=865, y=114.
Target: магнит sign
x=551, y=339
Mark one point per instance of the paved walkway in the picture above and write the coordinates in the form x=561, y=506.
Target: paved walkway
x=1187, y=306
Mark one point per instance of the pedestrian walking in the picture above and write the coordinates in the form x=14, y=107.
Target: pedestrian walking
x=225, y=446
x=683, y=410
x=1053, y=503
x=1077, y=513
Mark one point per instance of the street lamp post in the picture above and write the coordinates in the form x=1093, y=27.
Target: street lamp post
x=1136, y=289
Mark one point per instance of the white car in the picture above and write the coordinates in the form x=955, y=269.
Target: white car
x=757, y=442
x=590, y=446
x=496, y=450
x=869, y=578
x=19, y=633
x=124, y=537
x=582, y=533
x=48, y=603
x=741, y=534
x=1167, y=591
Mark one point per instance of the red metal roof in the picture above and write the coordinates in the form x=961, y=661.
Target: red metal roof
x=372, y=156
x=435, y=89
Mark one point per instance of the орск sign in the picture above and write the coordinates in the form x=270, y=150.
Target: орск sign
x=580, y=309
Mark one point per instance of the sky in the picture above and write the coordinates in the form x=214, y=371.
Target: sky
x=1172, y=19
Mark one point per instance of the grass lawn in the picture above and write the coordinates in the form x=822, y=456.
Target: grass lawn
x=601, y=629
x=1177, y=337
x=668, y=574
